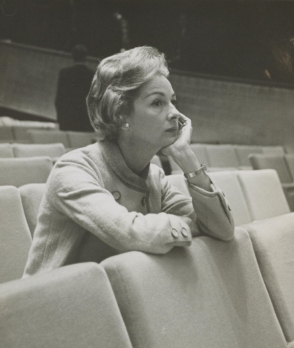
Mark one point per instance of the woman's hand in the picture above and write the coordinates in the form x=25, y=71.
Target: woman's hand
x=183, y=140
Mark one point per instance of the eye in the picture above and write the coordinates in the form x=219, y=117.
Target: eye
x=157, y=103
x=174, y=102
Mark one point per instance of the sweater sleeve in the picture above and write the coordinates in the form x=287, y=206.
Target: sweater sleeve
x=210, y=210
x=76, y=190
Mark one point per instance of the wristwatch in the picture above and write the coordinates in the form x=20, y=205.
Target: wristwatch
x=196, y=172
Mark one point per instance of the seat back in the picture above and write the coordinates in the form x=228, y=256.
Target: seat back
x=200, y=152
x=208, y=295
x=14, y=233
x=6, y=151
x=273, y=150
x=31, y=150
x=263, y=193
x=21, y=171
x=80, y=139
x=6, y=135
x=49, y=137
x=243, y=152
x=71, y=307
x=228, y=182
x=222, y=156
x=276, y=162
x=31, y=196
x=273, y=242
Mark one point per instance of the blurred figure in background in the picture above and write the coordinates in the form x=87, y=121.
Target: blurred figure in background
x=72, y=88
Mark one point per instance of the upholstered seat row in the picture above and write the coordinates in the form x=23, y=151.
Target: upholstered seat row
x=30, y=135
x=235, y=294
x=31, y=150
x=228, y=157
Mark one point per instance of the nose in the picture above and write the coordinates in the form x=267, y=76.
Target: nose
x=173, y=112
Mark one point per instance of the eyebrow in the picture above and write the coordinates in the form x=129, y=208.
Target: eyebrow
x=160, y=93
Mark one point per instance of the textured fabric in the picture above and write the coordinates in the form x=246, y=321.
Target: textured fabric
x=21, y=171
x=222, y=156
x=15, y=235
x=209, y=295
x=95, y=206
x=49, y=137
x=263, y=193
x=31, y=196
x=31, y=150
x=6, y=151
x=276, y=162
x=71, y=307
x=273, y=242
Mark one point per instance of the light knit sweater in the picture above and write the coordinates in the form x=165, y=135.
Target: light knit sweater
x=95, y=207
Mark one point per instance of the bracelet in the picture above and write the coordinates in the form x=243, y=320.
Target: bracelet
x=197, y=172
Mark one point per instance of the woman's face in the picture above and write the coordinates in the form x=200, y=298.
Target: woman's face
x=154, y=118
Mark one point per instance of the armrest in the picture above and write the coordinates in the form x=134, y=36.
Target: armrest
x=71, y=307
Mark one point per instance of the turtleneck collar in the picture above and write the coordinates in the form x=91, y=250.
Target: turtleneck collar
x=115, y=160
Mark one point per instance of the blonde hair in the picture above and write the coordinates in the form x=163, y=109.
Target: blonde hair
x=115, y=83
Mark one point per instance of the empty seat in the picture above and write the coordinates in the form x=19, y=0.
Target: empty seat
x=263, y=193
x=15, y=237
x=31, y=196
x=49, y=137
x=6, y=135
x=6, y=151
x=80, y=139
x=228, y=182
x=21, y=171
x=273, y=242
x=210, y=294
x=243, y=152
x=20, y=134
x=31, y=150
x=277, y=162
x=70, y=307
x=222, y=156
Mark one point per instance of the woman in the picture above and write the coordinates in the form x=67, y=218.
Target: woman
x=106, y=198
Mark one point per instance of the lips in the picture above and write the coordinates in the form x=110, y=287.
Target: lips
x=172, y=129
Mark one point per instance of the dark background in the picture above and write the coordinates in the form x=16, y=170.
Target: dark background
x=239, y=39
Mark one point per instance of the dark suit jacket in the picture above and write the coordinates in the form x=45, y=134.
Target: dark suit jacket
x=73, y=86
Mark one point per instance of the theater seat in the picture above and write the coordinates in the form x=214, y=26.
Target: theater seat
x=222, y=156
x=208, y=295
x=15, y=237
x=273, y=242
x=70, y=307
x=6, y=151
x=31, y=196
x=277, y=162
x=21, y=171
x=243, y=152
x=6, y=135
x=31, y=150
x=263, y=193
